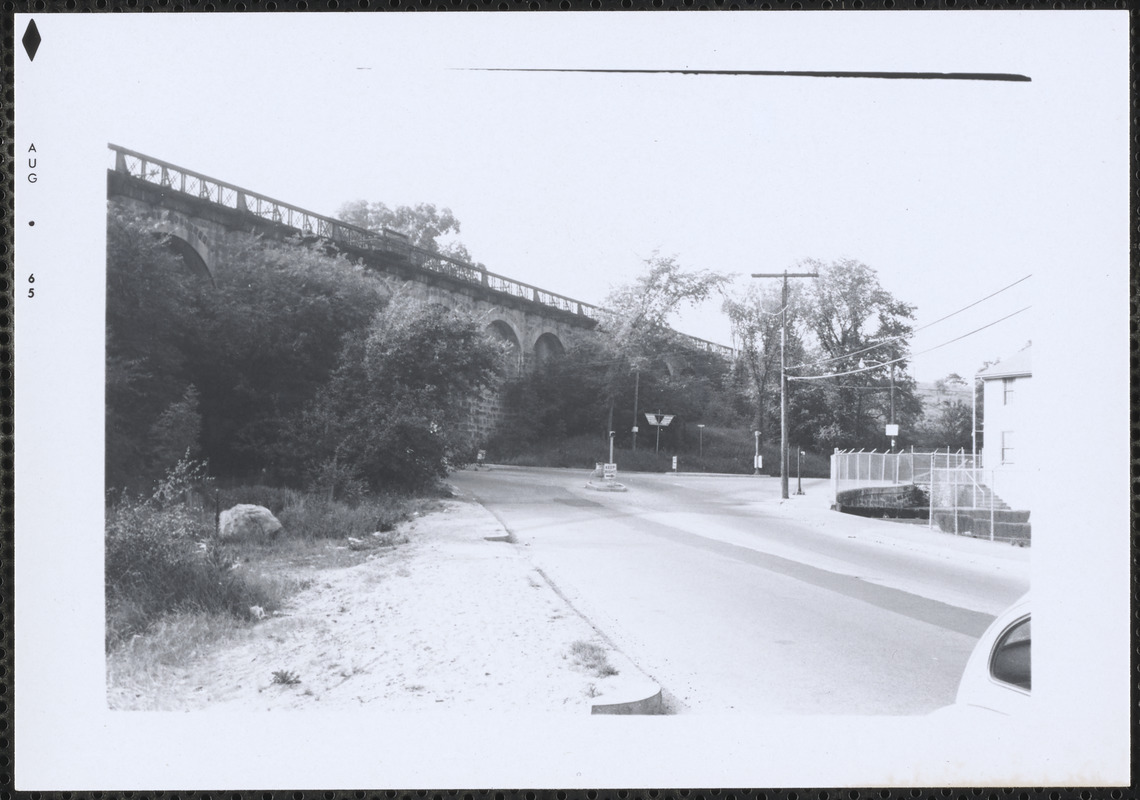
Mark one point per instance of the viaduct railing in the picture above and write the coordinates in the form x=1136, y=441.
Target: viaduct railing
x=169, y=176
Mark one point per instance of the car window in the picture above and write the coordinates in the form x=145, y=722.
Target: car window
x=1010, y=662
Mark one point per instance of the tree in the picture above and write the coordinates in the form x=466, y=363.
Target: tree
x=176, y=432
x=267, y=341
x=634, y=332
x=949, y=424
x=392, y=412
x=255, y=349
x=633, y=351
x=152, y=302
x=423, y=224
x=757, y=321
x=854, y=319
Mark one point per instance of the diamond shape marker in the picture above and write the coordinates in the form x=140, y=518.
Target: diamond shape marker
x=31, y=40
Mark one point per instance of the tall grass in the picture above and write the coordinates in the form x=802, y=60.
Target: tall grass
x=163, y=557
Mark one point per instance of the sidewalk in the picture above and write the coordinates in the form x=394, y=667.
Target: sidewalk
x=457, y=619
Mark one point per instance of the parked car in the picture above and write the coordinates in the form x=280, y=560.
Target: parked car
x=998, y=676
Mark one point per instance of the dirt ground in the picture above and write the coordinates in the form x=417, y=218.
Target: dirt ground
x=449, y=620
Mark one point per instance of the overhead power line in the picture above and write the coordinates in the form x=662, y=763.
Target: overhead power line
x=904, y=358
x=916, y=330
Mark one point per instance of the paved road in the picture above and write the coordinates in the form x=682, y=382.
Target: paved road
x=735, y=601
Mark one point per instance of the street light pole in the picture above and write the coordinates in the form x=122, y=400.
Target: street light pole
x=784, y=370
x=701, y=433
x=799, y=473
x=756, y=457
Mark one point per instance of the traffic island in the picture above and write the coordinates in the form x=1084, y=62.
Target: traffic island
x=606, y=486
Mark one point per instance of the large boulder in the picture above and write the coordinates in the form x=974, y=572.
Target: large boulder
x=248, y=522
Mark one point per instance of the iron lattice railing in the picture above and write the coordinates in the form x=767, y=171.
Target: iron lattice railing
x=307, y=223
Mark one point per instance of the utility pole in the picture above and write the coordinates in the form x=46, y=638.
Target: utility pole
x=636, y=386
x=784, y=370
x=892, y=396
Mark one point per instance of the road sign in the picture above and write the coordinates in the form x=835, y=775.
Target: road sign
x=892, y=430
x=758, y=462
x=674, y=463
x=659, y=419
x=609, y=471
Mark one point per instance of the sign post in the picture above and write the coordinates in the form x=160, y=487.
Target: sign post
x=659, y=421
x=609, y=470
x=892, y=431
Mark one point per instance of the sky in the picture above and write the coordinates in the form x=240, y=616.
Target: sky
x=951, y=190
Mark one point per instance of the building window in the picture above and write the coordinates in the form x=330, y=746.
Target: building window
x=1007, y=447
x=1007, y=391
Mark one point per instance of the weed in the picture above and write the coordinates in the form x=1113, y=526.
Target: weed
x=161, y=556
x=311, y=517
x=286, y=677
x=593, y=658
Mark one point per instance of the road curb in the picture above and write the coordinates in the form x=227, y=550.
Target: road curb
x=649, y=706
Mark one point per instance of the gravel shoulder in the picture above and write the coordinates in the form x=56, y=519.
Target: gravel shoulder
x=449, y=620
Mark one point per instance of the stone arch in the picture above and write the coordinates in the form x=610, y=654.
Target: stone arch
x=189, y=242
x=546, y=347
x=503, y=331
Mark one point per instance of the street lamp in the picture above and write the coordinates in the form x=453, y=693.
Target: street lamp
x=701, y=429
x=799, y=480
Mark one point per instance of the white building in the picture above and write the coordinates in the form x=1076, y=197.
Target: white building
x=1007, y=450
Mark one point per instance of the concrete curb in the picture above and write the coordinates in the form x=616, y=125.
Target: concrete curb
x=652, y=705
x=628, y=692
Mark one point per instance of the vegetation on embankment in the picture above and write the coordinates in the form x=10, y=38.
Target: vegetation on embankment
x=291, y=378
x=290, y=366
x=166, y=567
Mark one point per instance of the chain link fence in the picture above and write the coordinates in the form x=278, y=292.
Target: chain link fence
x=856, y=469
x=959, y=495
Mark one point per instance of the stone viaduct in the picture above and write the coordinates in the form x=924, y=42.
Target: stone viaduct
x=202, y=215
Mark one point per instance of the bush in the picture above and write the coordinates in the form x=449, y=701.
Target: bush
x=161, y=556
